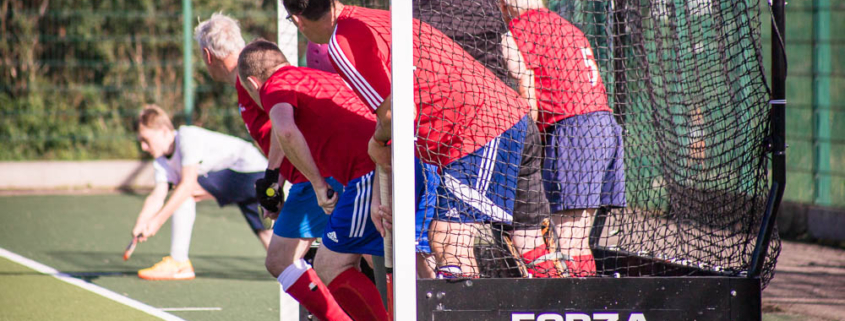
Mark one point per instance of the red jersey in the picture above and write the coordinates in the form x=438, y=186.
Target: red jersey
x=461, y=105
x=259, y=127
x=335, y=124
x=566, y=76
x=365, y=66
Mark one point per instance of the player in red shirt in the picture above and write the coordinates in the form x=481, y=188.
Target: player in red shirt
x=300, y=219
x=323, y=129
x=462, y=114
x=584, y=167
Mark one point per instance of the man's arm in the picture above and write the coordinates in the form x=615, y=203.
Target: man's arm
x=152, y=204
x=183, y=191
x=519, y=71
x=297, y=152
x=384, y=117
x=379, y=152
x=276, y=154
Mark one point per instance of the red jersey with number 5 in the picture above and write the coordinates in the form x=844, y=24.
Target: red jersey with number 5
x=461, y=105
x=566, y=76
x=259, y=127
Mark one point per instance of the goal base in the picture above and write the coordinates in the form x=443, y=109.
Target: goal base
x=589, y=299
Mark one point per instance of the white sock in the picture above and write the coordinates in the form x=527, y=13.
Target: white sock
x=292, y=273
x=182, y=223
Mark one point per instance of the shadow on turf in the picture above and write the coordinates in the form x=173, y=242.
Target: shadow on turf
x=92, y=265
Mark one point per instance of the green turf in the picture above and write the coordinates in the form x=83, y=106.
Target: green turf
x=26, y=294
x=85, y=235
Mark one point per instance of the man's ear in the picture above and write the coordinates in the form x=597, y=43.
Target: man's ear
x=253, y=81
x=206, y=54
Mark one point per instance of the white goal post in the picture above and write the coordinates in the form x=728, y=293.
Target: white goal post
x=404, y=255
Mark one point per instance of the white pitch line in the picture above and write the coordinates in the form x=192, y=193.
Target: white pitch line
x=88, y=286
x=192, y=309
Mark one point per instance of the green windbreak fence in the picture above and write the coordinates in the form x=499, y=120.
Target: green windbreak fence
x=815, y=91
x=75, y=72
x=815, y=86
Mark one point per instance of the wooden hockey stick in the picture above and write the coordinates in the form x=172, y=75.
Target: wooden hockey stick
x=385, y=187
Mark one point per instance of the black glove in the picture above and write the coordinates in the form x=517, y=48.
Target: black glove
x=267, y=191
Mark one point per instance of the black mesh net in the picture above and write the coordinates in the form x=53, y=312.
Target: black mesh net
x=646, y=155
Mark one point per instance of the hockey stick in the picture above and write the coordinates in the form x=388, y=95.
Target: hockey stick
x=131, y=247
x=523, y=270
x=550, y=238
x=384, y=183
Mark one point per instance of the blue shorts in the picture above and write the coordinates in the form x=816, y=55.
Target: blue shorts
x=426, y=182
x=584, y=165
x=228, y=187
x=350, y=229
x=481, y=187
x=301, y=216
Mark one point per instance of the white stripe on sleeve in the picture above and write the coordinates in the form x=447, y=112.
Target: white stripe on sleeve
x=372, y=97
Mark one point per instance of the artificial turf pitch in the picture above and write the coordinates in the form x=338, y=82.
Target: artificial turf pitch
x=85, y=235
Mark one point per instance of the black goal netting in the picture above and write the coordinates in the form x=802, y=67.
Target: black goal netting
x=646, y=155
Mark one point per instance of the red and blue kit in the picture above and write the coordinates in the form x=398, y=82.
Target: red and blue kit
x=459, y=108
x=468, y=121
x=565, y=71
x=584, y=157
x=302, y=216
x=337, y=128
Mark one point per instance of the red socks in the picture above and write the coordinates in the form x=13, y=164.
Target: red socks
x=314, y=296
x=358, y=296
x=543, y=269
x=582, y=265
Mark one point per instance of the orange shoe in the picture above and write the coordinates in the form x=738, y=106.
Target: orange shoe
x=168, y=269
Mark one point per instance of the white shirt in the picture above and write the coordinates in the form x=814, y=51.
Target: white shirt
x=212, y=151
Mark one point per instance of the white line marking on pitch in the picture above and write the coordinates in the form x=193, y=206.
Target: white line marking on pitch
x=88, y=286
x=192, y=309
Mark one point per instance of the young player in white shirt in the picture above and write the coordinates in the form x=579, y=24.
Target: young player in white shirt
x=201, y=164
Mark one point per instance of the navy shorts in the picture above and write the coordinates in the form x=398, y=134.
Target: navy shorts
x=426, y=182
x=481, y=187
x=301, y=216
x=350, y=229
x=231, y=187
x=584, y=165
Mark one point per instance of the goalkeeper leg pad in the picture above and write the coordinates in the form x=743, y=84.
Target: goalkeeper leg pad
x=311, y=292
x=358, y=296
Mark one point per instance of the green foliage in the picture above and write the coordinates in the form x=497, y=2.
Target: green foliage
x=73, y=73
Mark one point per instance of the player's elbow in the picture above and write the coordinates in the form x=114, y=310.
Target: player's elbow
x=285, y=133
